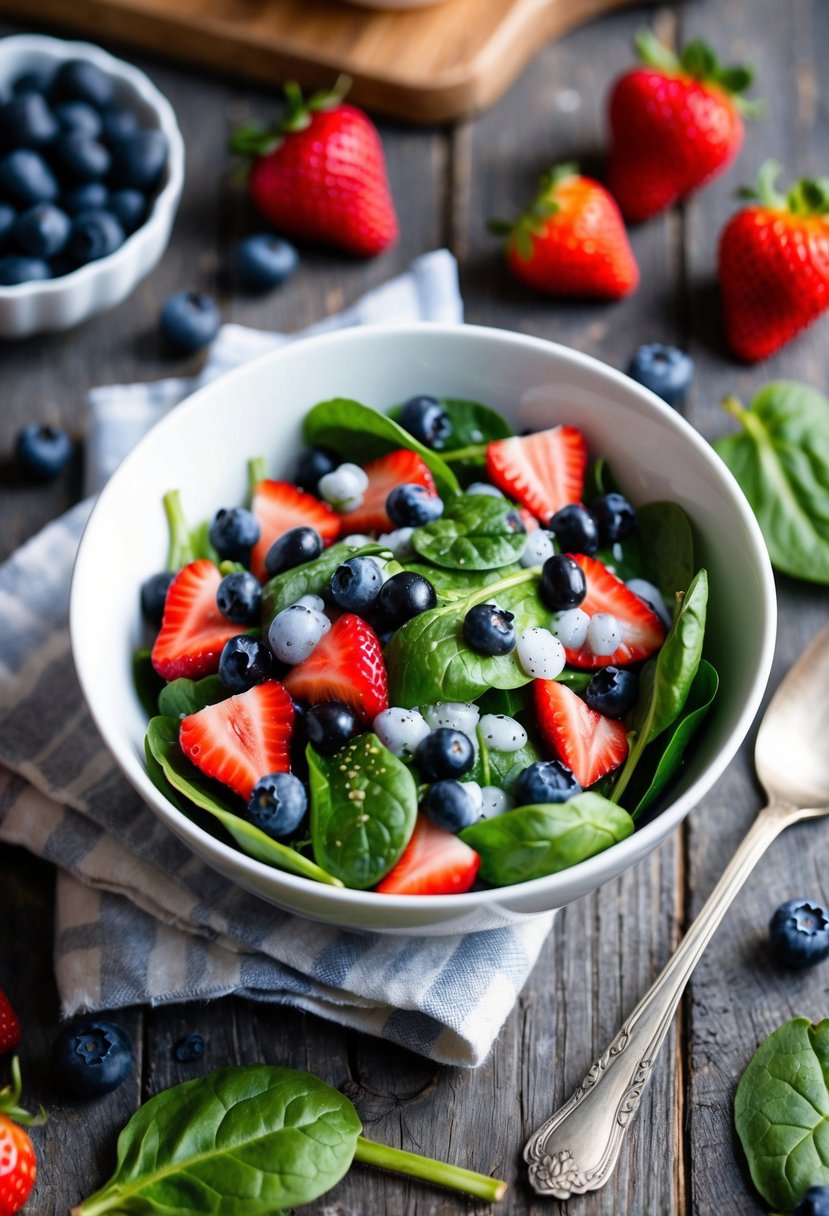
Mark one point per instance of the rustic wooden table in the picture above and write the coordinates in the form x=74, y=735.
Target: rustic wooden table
x=604, y=951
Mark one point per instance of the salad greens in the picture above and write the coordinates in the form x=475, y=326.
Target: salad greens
x=311, y=578
x=475, y=532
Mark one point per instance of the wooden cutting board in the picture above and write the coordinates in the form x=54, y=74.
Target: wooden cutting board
x=423, y=65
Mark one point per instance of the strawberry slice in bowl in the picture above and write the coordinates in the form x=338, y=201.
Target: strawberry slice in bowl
x=347, y=665
x=434, y=862
x=279, y=506
x=640, y=630
x=193, y=630
x=590, y=744
x=402, y=467
x=543, y=471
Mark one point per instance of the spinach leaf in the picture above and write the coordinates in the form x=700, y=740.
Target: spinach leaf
x=475, y=532
x=358, y=433
x=311, y=578
x=509, y=701
x=665, y=548
x=533, y=841
x=202, y=545
x=363, y=810
x=666, y=679
x=506, y=767
x=599, y=480
x=454, y=585
x=185, y=545
x=781, y=1112
x=146, y=681
x=162, y=744
x=182, y=696
x=781, y=460
x=473, y=423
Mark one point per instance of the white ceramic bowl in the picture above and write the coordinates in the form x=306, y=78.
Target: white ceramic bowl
x=202, y=448
x=62, y=302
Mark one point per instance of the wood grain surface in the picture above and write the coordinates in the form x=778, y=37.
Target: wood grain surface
x=681, y=1155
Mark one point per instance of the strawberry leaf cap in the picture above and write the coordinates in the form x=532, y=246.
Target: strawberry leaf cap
x=10, y=1099
x=255, y=139
x=807, y=197
x=531, y=224
x=698, y=60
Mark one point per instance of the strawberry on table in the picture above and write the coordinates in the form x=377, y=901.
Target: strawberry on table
x=590, y=744
x=193, y=630
x=675, y=122
x=9, y=1025
x=347, y=665
x=241, y=739
x=18, y=1164
x=642, y=632
x=320, y=174
x=279, y=506
x=774, y=264
x=401, y=467
x=434, y=862
x=571, y=240
x=543, y=471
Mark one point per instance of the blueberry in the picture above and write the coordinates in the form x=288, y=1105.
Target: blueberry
x=91, y=196
x=153, y=596
x=43, y=450
x=411, y=506
x=448, y=805
x=355, y=584
x=244, y=661
x=295, y=632
x=814, y=1202
x=615, y=518
x=329, y=725
x=8, y=218
x=799, y=933
x=575, y=529
x=189, y=321
x=488, y=629
x=403, y=596
x=82, y=158
x=278, y=804
x=129, y=208
x=91, y=1057
x=612, y=691
x=427, y=420
x=79, y=116
x=27, y=122
x=94, y=235
x=292, y=548
x=15, y=269
x=666, y=371
x=80, y=80
x=264, y=261
x=444, y=753
x=25, y=178
x=189, y=1049
x=32, y=82
x=239, y=596
x=545, y=781
x=562, y=584
x=117, y=123
x=313, y=464
x=233, y=533
x=42, y=231
x=138, y=159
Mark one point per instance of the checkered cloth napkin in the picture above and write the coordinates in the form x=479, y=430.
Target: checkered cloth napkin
x=139, y=918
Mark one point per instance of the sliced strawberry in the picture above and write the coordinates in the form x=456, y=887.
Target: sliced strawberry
x=239, y=740
x=588, y=743
x=193, y=630
x=348, y=666
x=528, y=520
x=543, y=471
x=9, y=1025
x=434, y=862
x=642, y=630
x=280, y=506
x=396, y=469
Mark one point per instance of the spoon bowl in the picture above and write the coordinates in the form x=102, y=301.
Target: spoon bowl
x=791, y=754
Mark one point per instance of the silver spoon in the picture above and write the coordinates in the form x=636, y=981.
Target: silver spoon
x=577, y=1148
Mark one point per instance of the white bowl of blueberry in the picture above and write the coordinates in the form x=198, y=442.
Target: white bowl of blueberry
x=91, y=171
x=423, y=629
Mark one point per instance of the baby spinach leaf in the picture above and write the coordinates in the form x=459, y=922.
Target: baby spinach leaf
x=454, y=585
x=599, y=480
x=665, y=548
x=363, y=810
x=473, y=423
x=182, y=696
x=533, y=841
x=202, y=545
x=506, y=767
x=311, y=578
x=162, y=743
x=358, y=433
x=147, y=683
x=509, y=701
x=475, y=532
x=781, y=1112
x=781, y=460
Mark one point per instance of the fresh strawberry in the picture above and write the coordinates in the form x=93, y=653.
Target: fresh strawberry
x=280, y=506
x=9, y=1025
x=18, y=1165
x=675, y=123
x=320, y=174
x=239, y=740
x=543, y=471
x=588, y=743
x=348, y=666
x=774, y=265
x=434, y=862
x=193, y=630
x=571, y=241
x=642, y=630
x=398, y=468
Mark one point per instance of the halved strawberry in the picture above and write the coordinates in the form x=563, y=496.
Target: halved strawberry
x=348, y=666
x=543, y=471
x=280, y=506
x=9, y=1025
x=588, y=743
x=642, y=630
x=239, y=740
x=395, y=469
x=434, y=862
x=193, y=630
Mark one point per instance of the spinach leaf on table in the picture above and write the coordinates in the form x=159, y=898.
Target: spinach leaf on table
x=310, y=578
x=363, y=810
x=781, y=460
x=781, y=1112
x=475, y=532
x=182, y=696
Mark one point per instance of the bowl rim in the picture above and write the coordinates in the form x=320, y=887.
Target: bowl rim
x=587, y=873
x=167, y=197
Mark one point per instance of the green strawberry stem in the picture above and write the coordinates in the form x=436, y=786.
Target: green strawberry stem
x=415, y=1166
x=180, y=546
x=10, y=1101
x=257, y=471
x=699, y=61
x=807, y=197
x=254, y=139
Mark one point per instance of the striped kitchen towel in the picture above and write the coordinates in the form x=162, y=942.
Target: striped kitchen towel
x=139, y=918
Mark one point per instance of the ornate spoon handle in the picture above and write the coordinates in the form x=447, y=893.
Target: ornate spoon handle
x=577, y=1148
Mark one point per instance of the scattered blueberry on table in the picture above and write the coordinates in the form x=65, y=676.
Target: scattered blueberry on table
x=799, y=933
x=91, y=1056
x=665, y=370
x=264, y=261
x=42, y=450
x=189, y=321
x=189, y=1048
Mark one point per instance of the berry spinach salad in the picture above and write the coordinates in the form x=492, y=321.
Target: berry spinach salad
x=433, y=668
